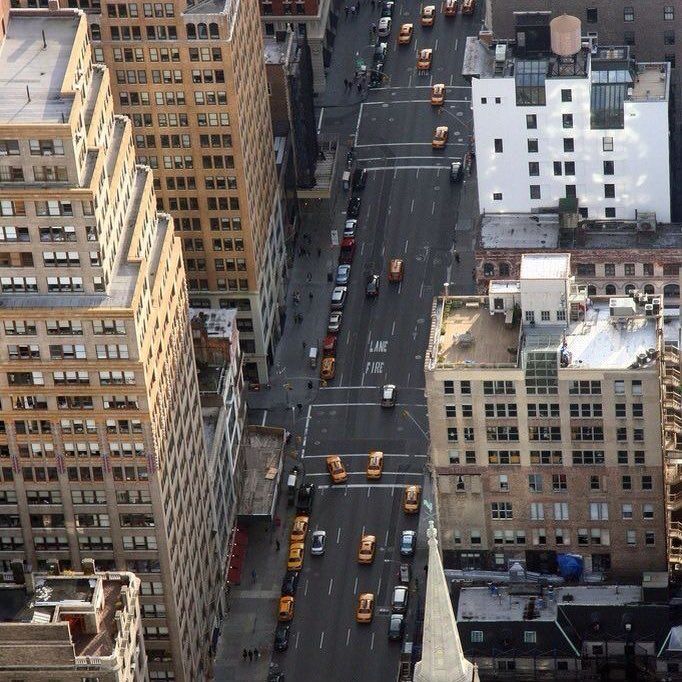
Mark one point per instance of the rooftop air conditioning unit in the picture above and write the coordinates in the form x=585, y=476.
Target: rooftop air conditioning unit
x=646, y=222
x=500, y=53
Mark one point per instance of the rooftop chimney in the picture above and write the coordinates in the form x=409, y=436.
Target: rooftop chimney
x=486, y=37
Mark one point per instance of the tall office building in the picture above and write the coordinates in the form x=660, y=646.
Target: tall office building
x=101, y=440
x=545, y=414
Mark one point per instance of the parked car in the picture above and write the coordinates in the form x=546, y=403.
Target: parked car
x=282, y=637
x=408, y=543
x=384, y=27
x=372, y=288
x=285, y=609
x=359, y=178
x=405, y=35
x=380, y=52
x=328, y=368
x=456, y=171
x=299, y=529
x=304, y=498
x=404, y=574
x=399, y=599
x=387, y=8
x=347, y=252
x=342, y=274
x=339, y=295
x=396, y=627
x=350, y=227
x=411, y=498
x=376, y=78
x=290, y=583
x=329, y=346
x=318, y=543
x=295, y=558
x=353, y=210
x=334, y=324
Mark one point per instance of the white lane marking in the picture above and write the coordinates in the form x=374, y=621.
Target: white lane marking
x=407, y=241
x=364, y=485
x=338, y=535
x=386, y=539
x=322, y=639
x=393, y=158
x=421, y=290
x=265, y=416
x=297, y=636
x=433, y=207
x=395, y=144
x=305, y=591
x=363, y=532
x=435, y=47
x=305, y=432
x=418, y=101
x=319, y=121
x=357, y=125
x=371, y=646
x=348, y=637
x=416, y=87
x=379, y=587
x=348, y=338
x=412, y=206
x=363, y=454
x=456, y=44
x=355, y=585
x=331, y=584
x=366, y=404
x=362, y=248
x=393, y=329
x=369, y=490
x=402, y=168
x=452, y=76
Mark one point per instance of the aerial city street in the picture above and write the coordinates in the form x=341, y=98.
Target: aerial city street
x=340, y=341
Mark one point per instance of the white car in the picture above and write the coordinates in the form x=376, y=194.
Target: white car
x=350, y=227
x=343, y=274
x=384, y=28
x=339, y=297
x=388, y=395
x=319, y=542
x=335, y=319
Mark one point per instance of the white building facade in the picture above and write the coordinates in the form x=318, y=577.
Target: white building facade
x=592, y=126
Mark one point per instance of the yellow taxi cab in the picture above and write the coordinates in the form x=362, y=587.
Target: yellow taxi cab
x=438, y=94
x=285, y=610
x=424, y=59
x=375, y=464
x=365, y=609
x=468, y=6
x=450, y=8
x=295, y=559
x=299, y=529
x=440, y=137
x=367, y=547
x=336, y=469
x=428, y=15
x=411, y=499
x=405, y=35
x=396, y=268
x=328, y=368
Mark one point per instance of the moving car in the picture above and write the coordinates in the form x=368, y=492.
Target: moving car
x=456, y=171
x=367, y=549
x=396, y=268
x=408, y=543
x=399, y=599
x=375, y=464
x=384, y=27
x=380, y=52
x=424, y=59
x=438, y=94
x=350, y=227
x=387, y=8
x=440, y=137
x=290, y=583
x=285, y=610
x=282, y=637
x=388, y=395
x=450, y=8
x=428, y=15
x=304, y=498
x=372, y=288
x=404, y=574
x=396, y=627
x=342, y=274
x=295, y=559
x=347, y=250
x=365, y=609
x=405, y=35
x=334, y=324
x=411, y=499
x=328, y=368
x=329, y=346
x=468, y=7
x=339, y=295
x=336, y=469
x=359, y=178
x=299, y=529
x=353, y=210
x=318, y=543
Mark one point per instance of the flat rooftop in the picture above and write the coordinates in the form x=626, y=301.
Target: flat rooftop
x=545, y=266
x=274, y=50
x=472, y=336
x=519, y=231
x=605, y=342
x=262, y=450
x=651, y=83
x=482, y=604
x=26, y=63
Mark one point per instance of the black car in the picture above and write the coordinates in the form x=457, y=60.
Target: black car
x=408, y=543
x=387, y=8
x=282, y=637
x=359, y=178
x=290, y=583
x=376, y=78
x=372, y=288
x=380, y=52
x=396, y=626
x=353, y=210
x=304, y=498
x=456, y=171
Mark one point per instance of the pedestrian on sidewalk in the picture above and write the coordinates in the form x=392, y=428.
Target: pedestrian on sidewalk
x=253, y=575
x=309, y=277
x=304, y=344
x=346, y=10
x=277, y=545
x=319, y=251
x=456, y=257
x=359, y=88
x=299, y=406
x=352, y=11
x=245, y=655
x=357, y=6
x=256, y=654
x=310, y=295
x=345, y=84
x=310, y=385
x=250, y=656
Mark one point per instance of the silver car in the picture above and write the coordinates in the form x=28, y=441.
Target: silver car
x=350, y=227
x=384, y=29
x=319, y=542
x=339, y=298
x=343, y=274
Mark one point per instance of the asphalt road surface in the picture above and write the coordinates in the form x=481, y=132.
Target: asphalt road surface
x=410, y=210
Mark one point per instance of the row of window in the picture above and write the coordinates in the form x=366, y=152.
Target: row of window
x=597, y=511
x=54, y=147
x=560, y=536
x=551, y=458
x=160, y=54
x=535, y=410
x=107, y=326
x=69, y=351
x=45, y=208
x=592, y=387
x=48, y=497
x=75, y=402
x=535, y=192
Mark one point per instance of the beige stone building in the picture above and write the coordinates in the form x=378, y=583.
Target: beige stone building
x=84, y=626
x=545, y=411
x=101, y=435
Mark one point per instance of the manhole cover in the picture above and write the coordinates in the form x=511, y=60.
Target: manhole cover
x=436, y=188
x=459, y=113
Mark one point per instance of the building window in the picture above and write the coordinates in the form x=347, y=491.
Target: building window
x=557, y=167
x=533, y=168
x=535, y=483
x=610, y=212
x=497, y=196
x=567, y=120
x=607, y=144
x=648, y=511
x=609, y=168
x=566, y=95
x=477, y=636
x=610, y=192
x=499, y=146
x=591, y=15
x=532, y=146
x=647, y=483
x=668, y=37
x=569, y=168
x=570, y=191
x=531, y=121
x=535, y=191
x=450, y=411
x=484, y=100
x=668, y=13
x=448, y=387
x=626, y=511
x=649, y=537
x=670, y=58
x=501, y=510
x=569, y=145
x=628, y=13
x=629, y=37
x=626, y=482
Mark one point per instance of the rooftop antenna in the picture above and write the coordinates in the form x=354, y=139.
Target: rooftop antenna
x=44, y=41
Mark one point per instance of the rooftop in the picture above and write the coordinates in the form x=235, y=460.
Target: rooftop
x=545, y=266
x=519, y=231
x=219, y=322
x=651, y=82
x=505, y=604
x=28, y=65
